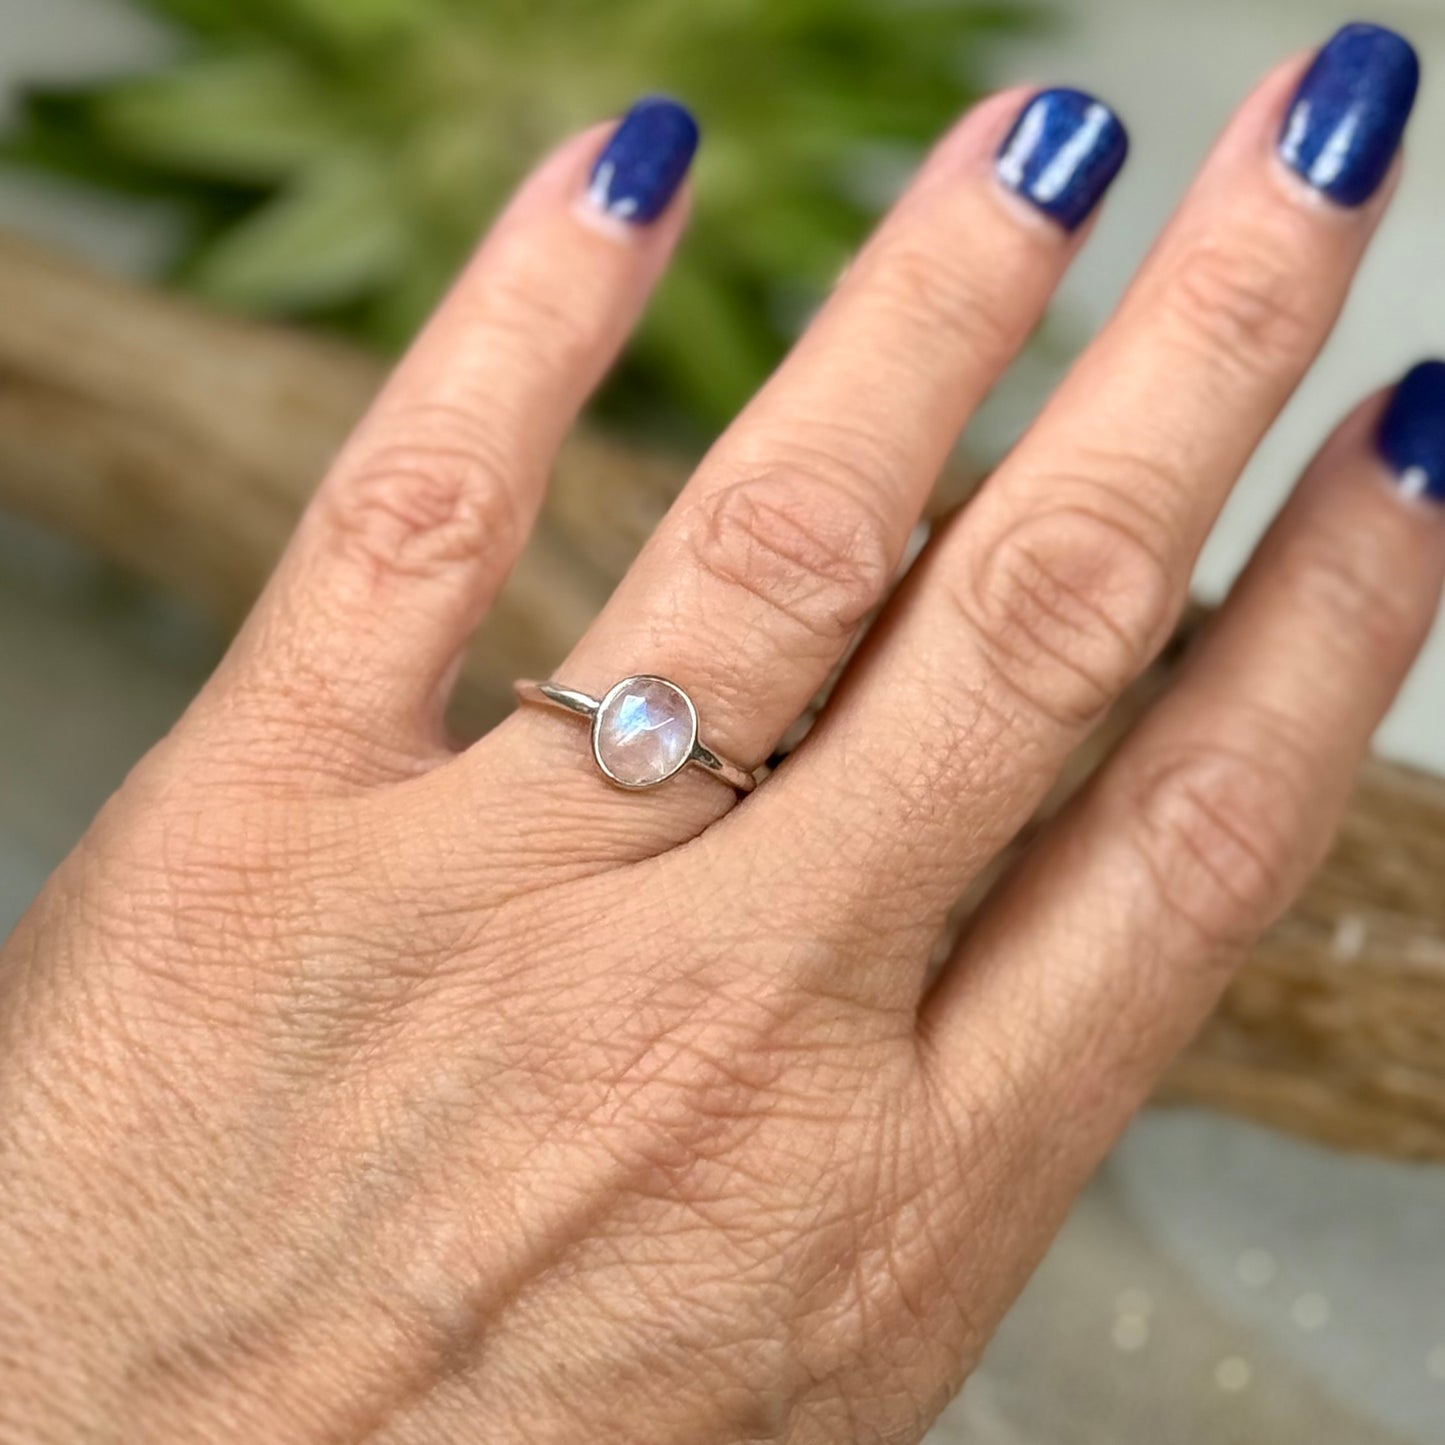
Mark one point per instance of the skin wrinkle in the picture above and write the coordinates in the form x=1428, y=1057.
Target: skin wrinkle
x=802, y=546
x=1329, y=579
x=1008, y=1125
x=910, y=915
x=401, y=1175
x=296, y=734
x=1073, y=596
x=1239, y=306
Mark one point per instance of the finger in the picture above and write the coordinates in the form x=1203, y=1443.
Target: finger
x=1115, y=940
x=1065, y=577
x=424, y=513
x=792, y=528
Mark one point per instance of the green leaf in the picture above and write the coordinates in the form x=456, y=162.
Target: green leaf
x=249, y=117
x=217, y=18
x=323, y=243
x=330, y=22
x=351, y=23
x=57, y=134
x=337, y=158
x=712, y=345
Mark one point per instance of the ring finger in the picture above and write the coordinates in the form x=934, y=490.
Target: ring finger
x=793, y=527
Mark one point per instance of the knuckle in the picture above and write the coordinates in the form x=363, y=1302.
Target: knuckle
x=436, y=493
x=1069, y=607
x=1244, y=302
x=801, y=542
x=936, y=295
x=1219, y=832
x=1344, y=583
x=528, y=311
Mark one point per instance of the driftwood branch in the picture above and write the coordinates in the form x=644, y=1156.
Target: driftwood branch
x=183, y=444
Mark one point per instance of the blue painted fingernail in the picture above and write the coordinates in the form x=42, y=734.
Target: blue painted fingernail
x=1063, y=154
x=1350, y=112
x=645, y=162
x=1412, y=434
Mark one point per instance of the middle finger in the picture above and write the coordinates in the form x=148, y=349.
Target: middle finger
x=1066, y=575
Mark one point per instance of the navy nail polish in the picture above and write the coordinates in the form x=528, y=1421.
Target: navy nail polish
x=1412, y=434
x=645, y=162
x=1063, y=154
x=1350, y=112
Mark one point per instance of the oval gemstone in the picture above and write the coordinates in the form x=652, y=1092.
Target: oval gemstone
x=644, y=732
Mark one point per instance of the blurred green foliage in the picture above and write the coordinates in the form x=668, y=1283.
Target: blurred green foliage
x=336, y=159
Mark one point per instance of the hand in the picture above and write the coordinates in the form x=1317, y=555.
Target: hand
x=353, y=1088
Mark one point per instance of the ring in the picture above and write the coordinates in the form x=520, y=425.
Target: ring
x=644, y=731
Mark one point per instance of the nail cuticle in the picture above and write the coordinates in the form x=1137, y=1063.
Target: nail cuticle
x=1322, y=209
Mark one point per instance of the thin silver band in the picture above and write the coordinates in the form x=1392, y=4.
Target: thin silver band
x=580, y=704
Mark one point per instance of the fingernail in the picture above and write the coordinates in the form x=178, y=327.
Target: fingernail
x=645, y=162
x=1063, y=155
x=1350, y=112
x=1412, y=434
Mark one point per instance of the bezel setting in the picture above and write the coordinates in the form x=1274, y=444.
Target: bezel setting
x=607, y=706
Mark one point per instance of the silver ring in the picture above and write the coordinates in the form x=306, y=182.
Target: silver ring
x=644, y=731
